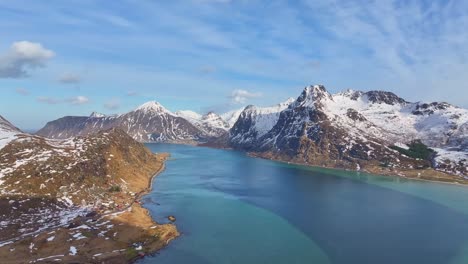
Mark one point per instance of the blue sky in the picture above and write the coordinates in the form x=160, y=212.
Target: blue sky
x=73, y=57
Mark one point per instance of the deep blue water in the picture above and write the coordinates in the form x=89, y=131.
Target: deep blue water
x=231, y=208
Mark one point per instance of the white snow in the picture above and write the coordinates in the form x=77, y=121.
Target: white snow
x=154, y=107
x=73, y=251
x=262, y=120
x=232, y=116
x=189, y=115
x=210, y=123
x=8, y=132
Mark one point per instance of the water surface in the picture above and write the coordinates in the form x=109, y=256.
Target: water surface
x=231, y=208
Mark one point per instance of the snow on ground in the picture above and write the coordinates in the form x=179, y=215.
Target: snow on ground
x=189, y=115
x=73, y=251
x=263, y=119
x=8, y=132
x=6, y=137
x=435, y=124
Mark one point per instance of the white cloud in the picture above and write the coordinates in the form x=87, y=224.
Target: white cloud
x=22, y=57
x=69, y=78
x=78, y=100
x=241, y=96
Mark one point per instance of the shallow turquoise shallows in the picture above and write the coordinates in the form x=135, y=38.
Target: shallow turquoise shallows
x=231, y=208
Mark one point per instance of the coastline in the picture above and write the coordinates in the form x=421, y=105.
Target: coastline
x=387, y=174
x=122, y=235
x=451, y=179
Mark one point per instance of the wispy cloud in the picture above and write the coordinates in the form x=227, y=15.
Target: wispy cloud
x=76, y=100
x=48, y=100
x=241, y=96
x=69, y=78
x=22, y=57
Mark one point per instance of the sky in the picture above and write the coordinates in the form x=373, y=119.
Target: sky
x=61, y=58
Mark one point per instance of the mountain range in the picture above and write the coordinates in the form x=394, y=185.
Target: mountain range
x=375, y=131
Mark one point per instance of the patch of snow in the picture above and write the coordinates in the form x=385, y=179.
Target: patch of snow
x=73, y=251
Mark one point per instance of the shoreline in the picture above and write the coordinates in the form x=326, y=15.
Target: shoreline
x=456, y=183
x=119, y=236
x=252, y=154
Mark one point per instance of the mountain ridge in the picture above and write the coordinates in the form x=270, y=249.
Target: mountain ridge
x=346, y=129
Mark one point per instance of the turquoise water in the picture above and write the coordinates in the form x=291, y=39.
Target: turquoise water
x=231, y=208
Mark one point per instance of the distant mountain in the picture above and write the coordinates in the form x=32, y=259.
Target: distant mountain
x=356, y=130
x=254, y=122
x=211, y=123
x=150, y=122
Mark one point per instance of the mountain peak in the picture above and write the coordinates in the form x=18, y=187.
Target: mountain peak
x=97, y=115
x=311, y=94
x=152, y=106
x=210, y=115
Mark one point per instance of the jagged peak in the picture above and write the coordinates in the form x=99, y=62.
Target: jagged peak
x=311, y=94
x=286, y=103
x=152, y=106
x=97, y=115
x=211, y=115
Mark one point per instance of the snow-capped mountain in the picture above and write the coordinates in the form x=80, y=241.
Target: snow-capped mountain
x=354, y=127
x=254, y=122
x=211, y=123
x=150, y=122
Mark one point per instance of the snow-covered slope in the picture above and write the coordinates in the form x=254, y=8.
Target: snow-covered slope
x=210, y=123
x=394, y=119
x=189, y=115
x=8, y=132
x=255, y=122
x=353, y=127
x=232, y=116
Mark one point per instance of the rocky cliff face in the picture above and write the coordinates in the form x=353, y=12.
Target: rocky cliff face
x=356, y=129
x=150, y=122
x=254, y=122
